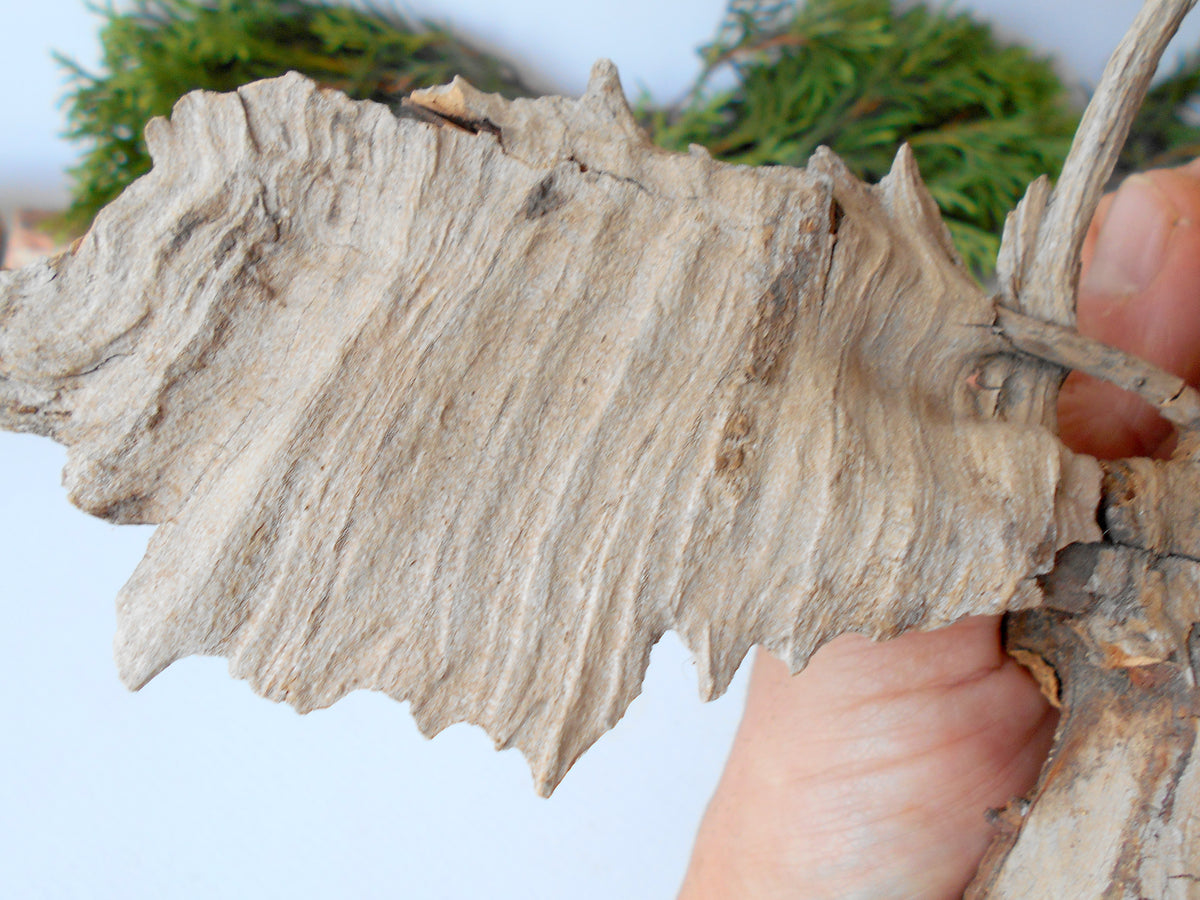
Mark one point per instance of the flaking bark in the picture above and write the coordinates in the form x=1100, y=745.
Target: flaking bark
x=1114, y=814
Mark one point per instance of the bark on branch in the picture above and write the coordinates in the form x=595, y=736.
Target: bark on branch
x=1175, y=400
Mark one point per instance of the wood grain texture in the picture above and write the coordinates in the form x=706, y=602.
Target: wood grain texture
x=1114, y=814
x=1051, y=270
x=471, y=405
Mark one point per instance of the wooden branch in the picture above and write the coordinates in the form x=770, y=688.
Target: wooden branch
x=1174, y=398
x=1152, y=505
x=1038, y=266
x=1114, y=814
x=1052, y=271
x=471, y=406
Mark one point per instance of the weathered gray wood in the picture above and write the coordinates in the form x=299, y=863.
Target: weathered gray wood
x=471, y=407
x=1038, y=266
x=1175, y=400
x=1052, y=271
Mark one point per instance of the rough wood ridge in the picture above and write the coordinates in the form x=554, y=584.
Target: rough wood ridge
x=470, y=407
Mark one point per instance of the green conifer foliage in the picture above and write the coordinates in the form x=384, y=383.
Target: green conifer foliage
x=155, y=51
x=863, y=76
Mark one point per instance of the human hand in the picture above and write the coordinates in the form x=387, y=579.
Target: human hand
x=868, y=774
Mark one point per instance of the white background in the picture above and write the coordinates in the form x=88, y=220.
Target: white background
x=197, y=788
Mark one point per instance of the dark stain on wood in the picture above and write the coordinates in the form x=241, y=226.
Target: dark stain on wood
x=410, y=110
x=1193, y=650
x=735, y=443
x=542, y=199
x=1185, y=739
x=128, y=510
x=183, y=231
x=730, y=460
x=738, y=426
x=1008, y=818
x=155, y=418
x=775, y=326
x=225, y=247
x=836, y=213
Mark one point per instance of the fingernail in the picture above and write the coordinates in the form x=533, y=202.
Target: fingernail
x=1133, y=239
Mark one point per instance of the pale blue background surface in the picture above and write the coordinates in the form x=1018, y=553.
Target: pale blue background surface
x=197, y=788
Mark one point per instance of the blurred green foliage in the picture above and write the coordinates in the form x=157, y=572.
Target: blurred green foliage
x=779, y=79
x=1166, y=131
x=155, y=51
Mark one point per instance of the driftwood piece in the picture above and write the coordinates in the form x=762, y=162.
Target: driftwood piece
x=1041, y=252
x=1049, y=273
x=470, y=407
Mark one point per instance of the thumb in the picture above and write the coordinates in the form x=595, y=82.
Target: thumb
x=1140, y=292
